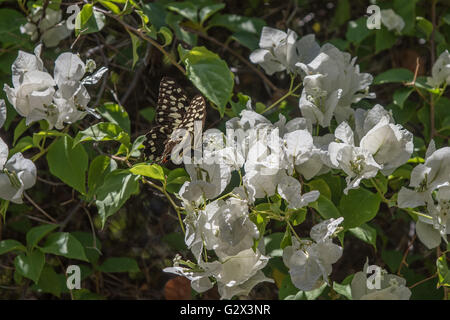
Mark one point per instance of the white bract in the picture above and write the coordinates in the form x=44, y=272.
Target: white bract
x=49, y=26
x=281, y=51
x=426, y=177
x=310, y=262
x=391, y=20
x=17, y=174
x=391, y=287
x=440, y=73
x=332, y=83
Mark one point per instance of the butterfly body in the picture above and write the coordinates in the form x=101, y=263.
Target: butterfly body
x=174, y=111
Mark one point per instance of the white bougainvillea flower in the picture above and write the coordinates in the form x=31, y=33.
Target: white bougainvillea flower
x=391, y=20
x=280, y=51
x=2, y=112
x=430, y=231
x=440, y=73
x=390, y=145
x=392, y=287
x=16, y=175
x=240, y=273
x=199, y=276
x=26, y=62
x=356, y=162
x=229, y=229
x=216, y=176
x=51, y=28
x=426, y=177
x=367, y=119
x=298, y=146
x=289, y=189
x=33, y=97
x=332, y=84
x=319, y=160
x=310, y=262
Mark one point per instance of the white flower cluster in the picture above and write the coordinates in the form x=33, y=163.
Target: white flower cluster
x=33, y=94
x=17, y=174
x=48, y=26
x=331, y=79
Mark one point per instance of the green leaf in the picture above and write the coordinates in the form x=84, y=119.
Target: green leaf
x=210, y=75
x=167, y=34
x=116, y=114
x=10, y=22
x=394, y=75
x=89, y=21
x=424, y=26
x=30, y=266
x=156, y=14
x=357, y=30
x=175, y=179
x=23, y=145
x=174, y=20
x=99, y=168
x=353, y=212
x=392, y=258
x=119, y=265
x=34, y=235
x=148, y=114
x=208, y=11
x=19, y=130
x=321, y=186
x=69, y=163
x=365, y=233
x=153, y=171
x=236, y=23
x=443, y=272
x=111, y=6
x=91, y=248
x=342, y=13
x=325, y=208
x=247, y=39
x=272, y=243
x=117, y=188
x=175, y=240
x=400, y=96
x=135, y=43
x=344, y=288
x=185, y=9
x=10, y=245
x=103, y=131
x=50, y=282
x=384, y=39
x=407, y=10
x=66, y=245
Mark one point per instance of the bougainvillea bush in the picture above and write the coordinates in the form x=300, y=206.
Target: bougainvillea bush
x=319, y=169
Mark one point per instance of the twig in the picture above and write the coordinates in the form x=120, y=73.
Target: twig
x=70, y=215
x=422, y=281
x=405, y=255
x=39, y=208
x=144, y=37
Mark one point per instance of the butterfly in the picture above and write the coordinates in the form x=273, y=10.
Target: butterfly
x=173, y=111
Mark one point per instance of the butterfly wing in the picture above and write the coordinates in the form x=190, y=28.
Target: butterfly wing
x=171, y=106
x=195, y=112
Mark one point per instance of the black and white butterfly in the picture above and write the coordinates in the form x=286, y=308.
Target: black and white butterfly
x=173, y=111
